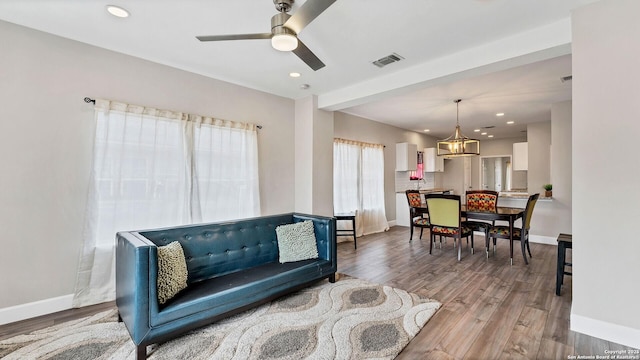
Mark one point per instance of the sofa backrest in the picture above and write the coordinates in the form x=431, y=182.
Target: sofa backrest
x=217, y=249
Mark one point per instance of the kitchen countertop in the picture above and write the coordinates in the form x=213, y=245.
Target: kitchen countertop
x=428, y=191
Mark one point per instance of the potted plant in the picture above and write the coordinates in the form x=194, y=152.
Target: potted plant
x=547, y=188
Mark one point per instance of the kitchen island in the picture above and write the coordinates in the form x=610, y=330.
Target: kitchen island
x=402, y=206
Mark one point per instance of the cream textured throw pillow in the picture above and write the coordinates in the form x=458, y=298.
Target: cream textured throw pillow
x=297, y=242
x=172, y=271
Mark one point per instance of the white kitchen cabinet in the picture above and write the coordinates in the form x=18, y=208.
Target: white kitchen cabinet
x=520, y=156
x=433, y=162
x=406, y=157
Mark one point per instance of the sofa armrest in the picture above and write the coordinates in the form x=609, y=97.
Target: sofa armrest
x=134, y=259
x=325, y=232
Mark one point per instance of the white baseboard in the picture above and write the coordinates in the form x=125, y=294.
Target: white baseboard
x=36, y=308
x=607, y=331
x=391, y=223
x=549, y=240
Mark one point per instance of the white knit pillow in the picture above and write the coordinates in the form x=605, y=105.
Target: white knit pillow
x=297, y=242
x=172, y=271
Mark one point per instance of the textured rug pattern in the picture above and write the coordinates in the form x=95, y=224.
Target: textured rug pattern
x=349, y=319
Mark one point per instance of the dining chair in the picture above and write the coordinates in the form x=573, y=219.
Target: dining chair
x=444, y=215
x=418, y=216
x=483, y=200
x=521, y=234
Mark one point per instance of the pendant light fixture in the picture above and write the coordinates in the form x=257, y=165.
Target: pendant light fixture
x=458, y=144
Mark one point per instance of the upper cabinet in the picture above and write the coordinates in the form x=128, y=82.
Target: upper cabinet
x=433, y=162
x=520, y=156
x=406, y=157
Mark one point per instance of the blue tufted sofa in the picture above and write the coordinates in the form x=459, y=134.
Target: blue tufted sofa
x=232, y=266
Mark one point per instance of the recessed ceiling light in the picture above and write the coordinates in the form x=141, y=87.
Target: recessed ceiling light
x=305, y=86
x=490, y=136
x=476, y=130
x=294, y=74
x=426, y=130
x=484, y=133
x=511, y=122
x=117, y=11
x=500, y=114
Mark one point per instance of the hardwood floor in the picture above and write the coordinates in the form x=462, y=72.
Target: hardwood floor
x=490, y=310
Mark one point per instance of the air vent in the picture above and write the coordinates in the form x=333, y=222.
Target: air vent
x=566, y=78
x=382, y=62
x=489, y=127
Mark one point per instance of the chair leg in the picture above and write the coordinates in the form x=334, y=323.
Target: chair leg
x=459, y=249
x=421, y=232
x=411, y=233
x=486, y=241
x=431, y=240
x=528, y=248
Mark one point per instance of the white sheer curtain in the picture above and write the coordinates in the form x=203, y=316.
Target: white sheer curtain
x=358, y=184
x=157, y=168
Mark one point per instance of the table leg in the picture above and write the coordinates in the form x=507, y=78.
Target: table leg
x=355, y=242
x=511, y=221
x=560, y=267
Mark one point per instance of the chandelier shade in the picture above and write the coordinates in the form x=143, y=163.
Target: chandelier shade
x=457, y=144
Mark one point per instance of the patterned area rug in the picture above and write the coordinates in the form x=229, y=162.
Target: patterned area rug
x=349, y=319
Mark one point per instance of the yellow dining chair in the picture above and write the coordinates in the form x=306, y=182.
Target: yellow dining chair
x=444, y=215
x=482, y=200
x=520, y=234
x=418, y=216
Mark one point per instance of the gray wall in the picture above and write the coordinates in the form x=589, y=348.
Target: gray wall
x=46, y=140
x=352, y=127
x=539, y=145
x=606, y=253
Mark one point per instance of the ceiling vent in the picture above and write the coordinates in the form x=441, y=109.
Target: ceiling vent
x=488, y=127
x=384, y=61
x=566, y=78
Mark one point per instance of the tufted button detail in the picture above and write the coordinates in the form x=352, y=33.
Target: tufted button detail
x=244, y=248
x=209, y=254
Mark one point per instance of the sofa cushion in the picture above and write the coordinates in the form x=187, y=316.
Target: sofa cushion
x=172, y=271
x=297, y=242
x=228, y=292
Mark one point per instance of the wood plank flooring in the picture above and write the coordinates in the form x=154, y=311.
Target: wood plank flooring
x=490, y=310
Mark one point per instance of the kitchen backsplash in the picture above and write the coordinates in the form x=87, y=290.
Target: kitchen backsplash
x=403, y=183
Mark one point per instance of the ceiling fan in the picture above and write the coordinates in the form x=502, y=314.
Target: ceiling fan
x=285, y=29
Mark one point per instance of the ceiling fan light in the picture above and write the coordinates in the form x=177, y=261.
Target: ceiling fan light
x=284, y=42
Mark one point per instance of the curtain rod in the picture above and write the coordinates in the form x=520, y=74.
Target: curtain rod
x=90, y=100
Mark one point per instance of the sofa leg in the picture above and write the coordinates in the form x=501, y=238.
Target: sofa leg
x=119, y=317
x=141, y=352
x=332, y=278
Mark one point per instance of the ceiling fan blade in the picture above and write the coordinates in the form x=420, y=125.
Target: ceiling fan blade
x=306, y=13
x=234, y=37
x=303, y=52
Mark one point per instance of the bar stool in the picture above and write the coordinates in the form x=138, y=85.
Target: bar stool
x=564, y=243
x=347, y=232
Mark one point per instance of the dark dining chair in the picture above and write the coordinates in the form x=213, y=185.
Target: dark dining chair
x=482, y=200
x=520, y=234
x=445, y=217
x=418, y=216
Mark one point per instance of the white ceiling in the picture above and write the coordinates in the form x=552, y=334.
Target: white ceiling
x=497, y=55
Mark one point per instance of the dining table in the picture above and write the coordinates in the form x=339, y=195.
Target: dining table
x=501, y=213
